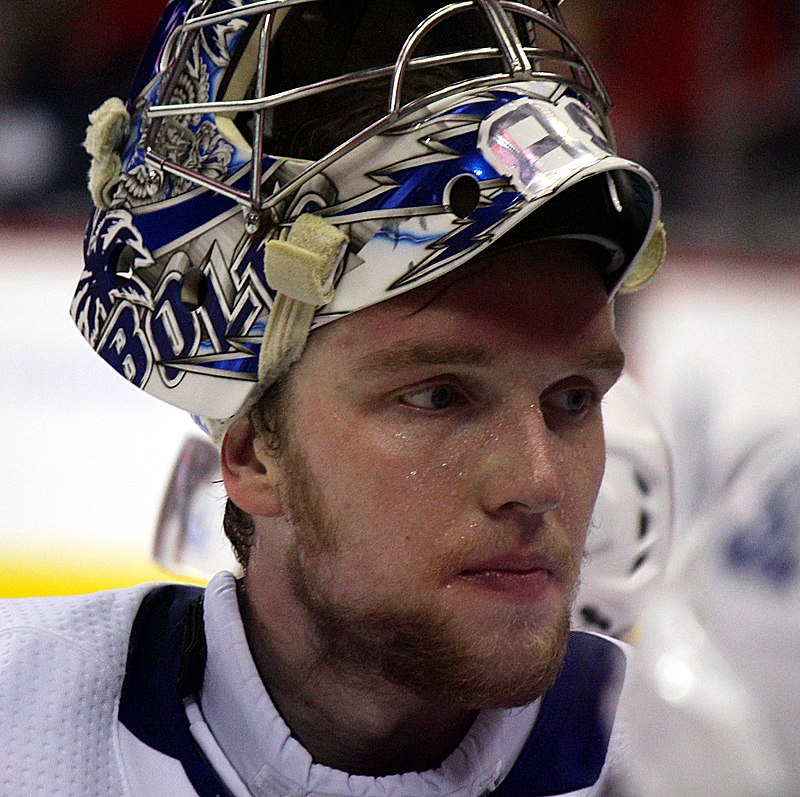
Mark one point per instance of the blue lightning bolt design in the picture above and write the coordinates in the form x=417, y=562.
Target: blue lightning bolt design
x=469, y=235
x=418, y=185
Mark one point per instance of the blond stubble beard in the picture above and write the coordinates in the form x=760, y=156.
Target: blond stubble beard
x=415, y=648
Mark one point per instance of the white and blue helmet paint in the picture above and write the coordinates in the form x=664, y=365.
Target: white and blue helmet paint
x=204, y=205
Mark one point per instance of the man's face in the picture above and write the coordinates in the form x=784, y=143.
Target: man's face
x=440, y=461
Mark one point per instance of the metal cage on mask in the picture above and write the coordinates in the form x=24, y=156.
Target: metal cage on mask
x=521, y=62
x=210, y=257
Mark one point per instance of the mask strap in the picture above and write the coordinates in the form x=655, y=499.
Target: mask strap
x=301, y=270
x=106, y=135
x=649, y=261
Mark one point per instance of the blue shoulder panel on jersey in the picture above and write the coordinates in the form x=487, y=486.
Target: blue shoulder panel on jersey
x=567, y=747
x=565, y=752
x=151, y=707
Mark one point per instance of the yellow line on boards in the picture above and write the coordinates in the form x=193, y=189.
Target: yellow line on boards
x=21, y=577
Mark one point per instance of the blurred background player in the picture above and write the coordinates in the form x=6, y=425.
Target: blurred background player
x=713, y=705
x=629, y=541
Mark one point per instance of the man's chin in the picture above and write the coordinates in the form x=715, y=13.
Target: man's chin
x=496, y=670
x=510, y=694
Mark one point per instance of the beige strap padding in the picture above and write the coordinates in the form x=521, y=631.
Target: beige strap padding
x=301, y=270
x=649, y=261
x=106, y=135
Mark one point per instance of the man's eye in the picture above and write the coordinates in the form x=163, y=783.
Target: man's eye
x=437, y=397
x=575, y=402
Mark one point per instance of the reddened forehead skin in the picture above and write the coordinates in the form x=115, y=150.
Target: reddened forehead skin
x=548, y=291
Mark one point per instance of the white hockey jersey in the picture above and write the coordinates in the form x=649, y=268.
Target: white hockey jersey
x=101, y=695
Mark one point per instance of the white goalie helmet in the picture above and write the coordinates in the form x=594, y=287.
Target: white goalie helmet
x=628, y=543
x=282, y=163
x=713, y=705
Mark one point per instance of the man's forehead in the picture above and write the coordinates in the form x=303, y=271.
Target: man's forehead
x=524, y=298
x=541, y=289
x=444, y=341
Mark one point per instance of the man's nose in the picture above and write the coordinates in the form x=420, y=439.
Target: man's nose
x=523, y=469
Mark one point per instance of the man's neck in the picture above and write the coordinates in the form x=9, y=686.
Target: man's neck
x=357, y=723
x=358, y=730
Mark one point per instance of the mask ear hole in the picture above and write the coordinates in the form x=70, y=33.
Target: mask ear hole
x=123, y=267
x=462, y=195
x=194, y=289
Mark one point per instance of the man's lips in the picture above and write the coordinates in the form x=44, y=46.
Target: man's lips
x=520, y=577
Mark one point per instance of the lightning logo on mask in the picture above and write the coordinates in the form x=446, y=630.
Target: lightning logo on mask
x=137, y=320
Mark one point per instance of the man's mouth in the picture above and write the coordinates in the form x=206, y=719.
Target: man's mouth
x=519, y=577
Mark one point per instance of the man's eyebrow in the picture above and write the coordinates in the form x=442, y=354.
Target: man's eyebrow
x=401, y=357
x=611, y=359
x=398, y=358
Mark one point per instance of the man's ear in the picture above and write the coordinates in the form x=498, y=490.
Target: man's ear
x=250, y=471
